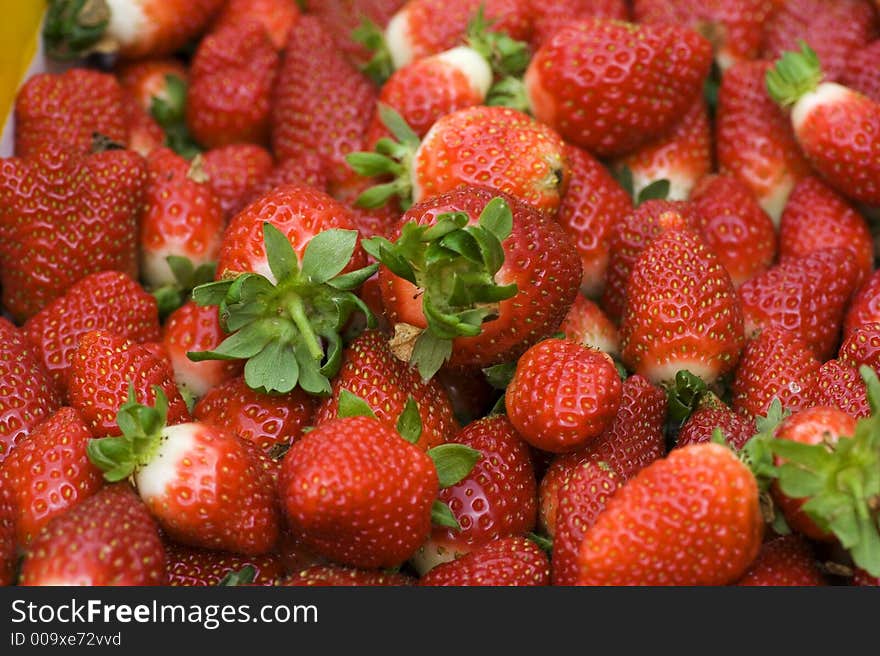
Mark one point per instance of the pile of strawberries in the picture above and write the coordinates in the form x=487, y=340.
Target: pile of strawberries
x=444, y=292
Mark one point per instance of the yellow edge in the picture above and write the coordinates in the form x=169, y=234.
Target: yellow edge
x=19, y=38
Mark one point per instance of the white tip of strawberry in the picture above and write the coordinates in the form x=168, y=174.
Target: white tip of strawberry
x=773, y=202
x=128, y=22
x=163, y=470
x=826, y=94
x=680, y=185
x=665, y=373
x=472, y=64
x=399, y=40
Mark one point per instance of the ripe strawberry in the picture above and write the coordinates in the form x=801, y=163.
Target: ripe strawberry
x=806, y=295
x=776, y=363
x=358, y=493
x=562, y=395
x=593, y=204
x=754, y=139
x=550, y=17
x=587, y=325
x=517, y=293
x=7, y=539
x=147, y=81
x=378, y=221
x=513, y=561
x=234, y=173
x=691, y=518
x=108, y=300
x=835, y=127
x=190, y=566
x=108, y=539
x=230, y=91
x=683, y=155
x=276, y=16
x=103, y=368
x=681, y=311
x=862, y=578
x=784, y=561
x=336, y=576
x=28, y=393
x=67, y=109
x=862, y=346
x=63, y=216
x=839, y=385
x=712, y=413
x=145, y=135
x=611, y=106
x=865, y=306
x=734, y=226
x=861, y=73
x=345, y=21
x=182, y=217
x=815, y=217
x=306, y=170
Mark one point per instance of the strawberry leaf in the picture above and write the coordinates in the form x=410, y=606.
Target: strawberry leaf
x=381, y=66
x=441, y=515
x=244, y=576
x=794, y=75
x=72, y=27
x=453, y=462
x=500, y=375
x=328, y=253
x=351, y=405
x=656, y=190
x=409, y=423
x=429, y=354
x=279, y=252
x=544, y=542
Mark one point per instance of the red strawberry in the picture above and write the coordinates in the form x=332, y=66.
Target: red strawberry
x=63, y=216
x=862, y=346
x=190, y=566
x=712, y=413
x=815, y=217
x=865, y=306
x=235, y=172
x=343, y=18
x=336, y=576
x=862, y=578
x=358, y=493
x=689, y=519
x=593, y=204
x=231, y=80
x=147, y=81
x=784, y=561
x=562, y=395
x=754, y=139
x=587, y=325
x=108, y=539
x=839, y=385
x=49, y=472
x=513, y=561
x=103, y=367
x=145, y=135
x=66, y=110
x=734, y=226
x=861, y=73
x=307, y=170
x=378, y=221
x=276, y=16
x=27, y=392
x=7, y=539
x=550, y=17
x=613, y=105
x=835, y=127
x=681, y=311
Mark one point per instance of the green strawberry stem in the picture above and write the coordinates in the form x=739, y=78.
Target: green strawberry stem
x=506, y=56
x=370, y=35
x=170, y=113
x=244, y=576
x=288, y=331
x=509, y=92
x=73, y=27
x=186, y=278
x=795, y=75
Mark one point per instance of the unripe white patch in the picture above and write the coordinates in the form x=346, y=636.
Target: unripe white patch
x=680, y=186
x=178, y=442
x=398, y=39
x=827, y=93
x=128, y=21
x=472, y=64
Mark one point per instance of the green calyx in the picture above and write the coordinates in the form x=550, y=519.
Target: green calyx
x=141, y=425
x=370, y=35
x=244, y=576
x=453, y=463
x=684, y=395
x=73, y=27
x=454, y=264
x=507, y=56
x=656, y=190
x=186, y=278
x=794, y=75
x=409, y=423
x=289, y=331
x=169, y=111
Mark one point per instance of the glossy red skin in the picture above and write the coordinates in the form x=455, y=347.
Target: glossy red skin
x=357, y=493
x=784, y=561
x=734, y=226
x=49, y=472
x=234, y=172
x=862, y=346
x=266, y=420
x=865, y=306
x=581, y=499
x=7, y=539
x=681, y=311
x=100, y=371
x=612, y=105
x=306, y=170
x=811, y=426
x=691, y=518
x=538, y=257
x=840, y=386
x=145, y=79
x=586, y=324
x=107, y=540
x=66, y=109
x=341, y=17
x=593, y=204
x=861, y=73
x=370, y=371
x=172, y=24
x=27, y=392
x=337, y=576
x=471, y=396
x=107, y=300
x=276, y=16
x=550, y=17
x=90, y=223
x=513, y=561
x=319, y=100
x=816, y=217
x=699, y=427
x=190, y=566
x=562, y=395
x=145, y=135
x=230, y=89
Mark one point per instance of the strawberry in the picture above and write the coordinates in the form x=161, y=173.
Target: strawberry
x=806, y=295
x=862, y=346
x=862, y=578
x=108, y=300
x=147, y=80
x=67, y=109
x=562, y=395
x=347, y=20
x=145, y=135
x=865, y=306
x=835, y=127
x=378, y=221
x=89, y=225
x=611, y=106
x=472, y=397
x=307, y=170
x=550, y=17
x=276, y=16
x=593, y=204
x=266, y=420
x=518, y=288
x=28, y=393
x=190, y=566
x=816, y=217
x=199, y=482
x=839, y=385
x=691, y=518
x=230, y=91
x=513, y=561
x=861, y=72
x=784, y=561
x=712, y=413
x=7, y=539
x=133, y=28
x=683, y=155
x=103, y=370
x=754, y=140
x=336, y=576
x=108, y=539
x=235, y=172
x=587, y=325
x=734, y=226
x=776, y=363
x=681, y=311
